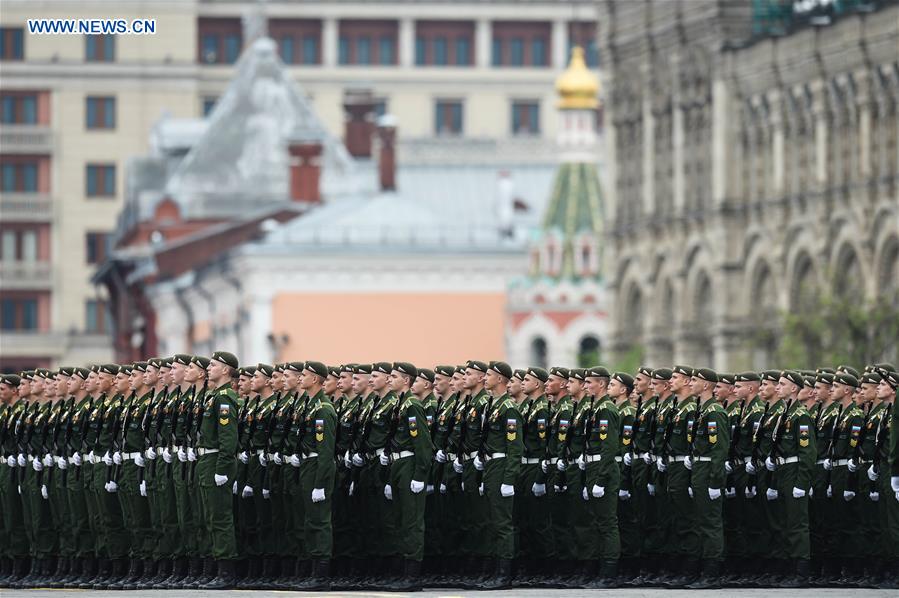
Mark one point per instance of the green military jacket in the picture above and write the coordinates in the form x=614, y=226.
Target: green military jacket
x=319, y=437
x=764, y=433
x=259, y=421
x=133, y=432
x=849, y=431
x=682, y=432
x=643, y=426
x=797, y=439
x=627, y=414
x=9, y=420
x=348, y=425
x=445, y=423
x=81, y=413
x=894, y=437
x=381, y=418
x=455, y=434
x=603, y=438
x=664, y=415
x=218, y=430
x=431, y=405
x=535, y=417
x=826, y=424
x=504, y=435
x=580, y=419
x=413, y=434
x=363, y=425
x=712, y=441
x=284, y=416
x=474, y=421
x=559, y=427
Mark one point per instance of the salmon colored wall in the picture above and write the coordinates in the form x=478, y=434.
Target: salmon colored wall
x=426, y=329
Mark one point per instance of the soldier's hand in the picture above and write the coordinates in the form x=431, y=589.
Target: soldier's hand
x=688, y=463
x=347, y=460
x=584, y=494
x=770, y=465
x=388, y=492
x=874, y=496
x=48, y=460
x=76, y=459
x=848, y=495
x=544, y=465
x=728, y=467
x=90, y=456
x=690, y=491
x=730, y=493
x=750, y=492
x=429, y=489
x=440, y=456
x=478, y=464
x=558, y=489
x=62, y=463
x=150, y=453
x=538, y=489
x=828, y=464
x=352, y=488
x=21, y=460
x=37, y=465
x=415, y=486
x=167, y=455
x=44, y=492
x=11, y=461
x=624, y=495
x=481, y=489
x=262, y=459
x=647, y=458
x=457, y=466
x=830, y=492
x=111, y=487
x=853, y=466
x=220, y=480
x=771, y=494
x=117, y=458
x=234, y=488
x=244, y=457
x=598, y=491
x=318, y=495
x=661, y=465
x=651, y=489
x=798, y=492
x=384, y=459
x=107, y=459
x=750, y=467
x=266, y=494
x=507, y=490
x=582, y=462
x=277, y=459
x=143, y=488
x=628, y=459
x=191, y=454
x=358, y=461
x=897, y=494
x=872, y=474
x=442, y=488
x=182, y=456
x=139, y=460
x=294, y=460
x=894, y=481
x=714, y=493
x=247, y=492
x=561, y=465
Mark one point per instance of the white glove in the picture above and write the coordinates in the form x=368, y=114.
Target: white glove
x=688, y=463
x=19, y=488
x=830, y=492
x=117, y=458
x=415, y=486
x=894, y=481
x=771, y=494
x=558, y=489
x=544, y=465
x=48, y=460
x=388, y=492
x=139, y=461
x=872, y=475
x=457, y=466
x=647, y=458
x=262, y=460
x=750, y=492
x=897, y=494
x=811, y=492
x=111, y=487
x=714, y=493
x=62, y=462
x=538, y=489
x=143, y=488
x=182, y=455
x=220, y=480
x=440, y=456
x=561, y=465
x=661, y=465
x=150, y=454
x=874, y=496
x=234, y=488
x=624, y=495
x=21, y=460
x=853, y=466
x=347, y=460
x=247, y=492
x=481, y=489
x=358, y=461
x=44, y=492
x=352, y=488
x=277, y=459
x=478, y=464
x=318, y=494
x=244, y=457
x=90, y=456
x=651, y=489
x=730, y=493
x=798, y=492
x=828, y=464
x=507, y=490
x=11, y=461
x=442, y=488
x=191, y=454
x=598, y=491
x=107, y=459
x=294, y=460
x=266, y=493
x=76, y=459
x=384, y=458
x=581, y=462
x=37, y=465
x=166, y=455
x=429, y=489
x=770, y=465
x=848, y=495
x=628, y=459
x=584, y=493
x=690, y=491
x=750, y=468
x=728, y=468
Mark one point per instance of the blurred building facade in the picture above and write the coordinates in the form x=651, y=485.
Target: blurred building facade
x=461, y=76
x=752, y=162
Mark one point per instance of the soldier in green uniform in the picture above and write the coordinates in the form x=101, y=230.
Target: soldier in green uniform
x=451, y=430
x=826, y=415
x=245, y=521
x=878, y=473
x=639, y=475
x=170, y=547
x=708, y=452
x=15, y=543
x=216, y=465
x=554, y=466
x=627, y=517
x=54, y=481
x=603, y=470
x=583, y=544
x=342, y=518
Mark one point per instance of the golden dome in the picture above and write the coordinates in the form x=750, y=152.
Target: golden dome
x=578, y=88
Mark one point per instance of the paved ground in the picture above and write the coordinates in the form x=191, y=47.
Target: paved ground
x=448, y=593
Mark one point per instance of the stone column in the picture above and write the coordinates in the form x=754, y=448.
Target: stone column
x=677, y=138
x=723, y=140
x=559, y=45
x=483, y=45
x=407, y=42
x=777, y=142
x=649, y=136
x=329, y=42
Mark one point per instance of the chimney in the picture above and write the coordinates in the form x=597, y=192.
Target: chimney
x=387, y=152
x=305, y=170
x=359, y=107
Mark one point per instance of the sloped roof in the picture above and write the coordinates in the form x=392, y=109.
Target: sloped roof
x=576, y=202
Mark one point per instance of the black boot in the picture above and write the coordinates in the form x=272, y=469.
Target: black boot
x=104, y=567
x=689, y=574
x=799, y=578
x=31, y=568
x=134, y=570
x=410, y=581
x=145, y=581
x=194, y=572
x=88, y=572
x=76, y=569
x=710, y=578
x=46, y=573
x=502, y=576
x=608, y=576
x=54, y=579
x=178, y=567
x=254, y=567
x=163, y=572
x=225, y=578
x=206, y=575
x=19, y=567
x=320, y=578
x=890, y=578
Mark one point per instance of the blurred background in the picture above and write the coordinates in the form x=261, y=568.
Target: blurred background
x=547, y=182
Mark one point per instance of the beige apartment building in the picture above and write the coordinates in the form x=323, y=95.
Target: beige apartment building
x=76, y=108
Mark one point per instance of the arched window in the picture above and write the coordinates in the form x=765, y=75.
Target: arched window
x=538, y=352
x=588, y=351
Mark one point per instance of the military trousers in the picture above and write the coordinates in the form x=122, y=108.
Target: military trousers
x=341, y=512
x=293, y=506
x=888, y=511
x=256, y=511
x=603, y=524
x=557, y=491
x=584, y=544
x=408, y=510
x=43, y=534
x=501, y=525
x=136, y=511
x=15, y=540
x=646, y=520
x=83, y=537
x=846, y=512
x=531, y=516
x=318, y=534
x=709, y=515
x=657, y=536
x=166, y=514
x=181, y=489
x=218, y=519
x=475, y=512
x=684, y=539
x=628, y=516
x=59, y=509
x=795, y=532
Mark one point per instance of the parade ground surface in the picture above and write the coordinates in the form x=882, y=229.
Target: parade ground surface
x=449, y=593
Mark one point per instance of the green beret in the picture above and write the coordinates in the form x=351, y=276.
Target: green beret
x=280, y=367
x=824, y=377
x=201, y=361
x=43, y=372
x=317, y=368
x=265, y=369
x=870, y=378
x=384, y=367
x=11, y=380
x=706, y=374
x=296, y=366
x=625, y=379
x=155, y=362
x=538, y=373
x=646, y=371
x=182, y=358
x=426, y=374
x=520, y=374
x=747, y=377
x=405, y=368
x=558, y=371
x=682, y=369
x=727, y=378
x=461, y=369
x=334, y=370
x=139, y=366
x=884, y=367
x=125, y=369
x=67, y=370
x=848, y=369
x=825, y=371
x=348, y=368
x=661, y=374
x=847, y=379
x=478, y=365
x=809, y=381
x=771, y=375
x=228, y=359
x=109, y=368
x=445, y=370
x=577, y=373
x=83, y=373
x=247, y=370
x=26, y=374
x=362, y=368
x=502, y=368
x=794, y=377
x=892, y=378
x=597, y=372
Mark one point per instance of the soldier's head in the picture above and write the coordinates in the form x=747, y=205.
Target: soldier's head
x=222, y=368
x=515, y=384
x=844, y=387
x=768, y=386
x=62, y=381
x=165, y=372
x=888, y=384
x=74, y=383
x=661, y=382
x=475, y=372
x=179, y=366
x=423, y=383
x=380, y=376
x=24, y=388
x=724, y=389
x=458, y=383
x=746, y=385
x=681, y=379
x=277, y=380
x=788, y=384
x=557, y=383
x=703, y=382
x=869, y=383
x=642, y=379
x=292, y=375
x=823, y=386
x=361, y=376
x=577, y=378
x=345, y=381
x=807, y=392
x=331, y=380
x=401, y=375
x=443, y=379
x=314, y=374
x=105, y=377
x=621, y=385
x=151, y=374
x=121, y=381
x=9, y=385
x=196, y=372
x=496, y=379
x=533, y=382
x=260, y=379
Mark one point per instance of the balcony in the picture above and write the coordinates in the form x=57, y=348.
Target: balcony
x=26, y=207
x=32, y=343
x=25, y=275
x=26, y=139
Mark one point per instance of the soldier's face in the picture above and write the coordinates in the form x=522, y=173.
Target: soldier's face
x=514, y=387
x=884, y=390
x=74, y=384
x=768, y=389
x=151, y=376
x=617, y=389
x=839, y=391
x=822, y=391
x=555, y=384
x=377, y=381
x=178, y=370
x=458, y=382
x=62, y=383
x=659, y=387
x=345, y=382
x=6, y=393
x=786, y=388
x=473, y=377
x=530, y=383
x=309, y=379
x=869, y=390
x=442, y=383
x=278, y=380
x=697, y=385
x=723, y=390
x=165, y=375
x=257, y=382
x=360, y=383
x=421, y=386
x=330, y=385
x=641, y=383
x=575, y=386
x=24, y=388
x=679, y=381
x=806, y=393
x=291, y=379
x=398, y=381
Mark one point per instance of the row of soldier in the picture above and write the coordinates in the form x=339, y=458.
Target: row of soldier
x=190, y=472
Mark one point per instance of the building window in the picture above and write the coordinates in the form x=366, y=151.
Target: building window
x=463, y=51
x=285, y=48
x=363, y=50
x=440, y=54
x=96, y=316
x=497, y=54
x=208, y=105
x=219, y=40
x=8, y=246
x=8, y=307
x=521, y=44
x=343, y=51
x=588, y=352
x=19, y=314
x=448, y=117
x=100, y=112
x=12, y=43
x=96, y=247
x=298, y=39
x=420, y=51
x=583, y=34
x=538, y=352
x=310, y=50
x=99, y=48
x=18, y=109
x=100, y=180
x=19, y=177
x=538, y=52
x=367, y=42
x=386, y=50
x=525, y=118
x=516, y=52
x=444, y=43
x=19, y=245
